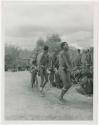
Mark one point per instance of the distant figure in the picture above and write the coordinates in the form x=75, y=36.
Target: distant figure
x=6, y=67
x=91, y=54
x=88, y=58
x=64, y=69
x=53, y=67
x=83, y=58
x=78, y=59
x=77, y=66
x=33, y=70
x=43, y=65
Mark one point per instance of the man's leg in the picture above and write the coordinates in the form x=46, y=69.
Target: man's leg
x=57, y=80
x=46, y=79
x=65, y=76
x=51, y=78
x=36, y=80
x=42, y=78
x=32, y=80
x=64, y=90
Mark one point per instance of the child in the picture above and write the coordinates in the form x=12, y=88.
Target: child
x=33, y=70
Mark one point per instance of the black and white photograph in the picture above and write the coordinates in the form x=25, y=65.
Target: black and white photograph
x=48, y=60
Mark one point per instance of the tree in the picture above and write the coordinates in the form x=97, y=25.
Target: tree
x=40, y=43
x=11, y=55
x=53, y=41
x=54, y=38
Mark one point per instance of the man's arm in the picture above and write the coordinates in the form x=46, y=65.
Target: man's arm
x=32, y=68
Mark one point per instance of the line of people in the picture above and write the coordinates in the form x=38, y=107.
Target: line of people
x=59, y=70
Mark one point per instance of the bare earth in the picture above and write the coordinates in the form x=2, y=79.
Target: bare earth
x=24, y=103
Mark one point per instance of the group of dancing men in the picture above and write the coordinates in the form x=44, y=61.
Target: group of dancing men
x=57, y=68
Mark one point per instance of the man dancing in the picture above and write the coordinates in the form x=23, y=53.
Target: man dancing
x=64, y=69
x=43, y=67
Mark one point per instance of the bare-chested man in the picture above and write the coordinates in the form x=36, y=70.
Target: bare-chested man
x=43, y=65
x=64, y=69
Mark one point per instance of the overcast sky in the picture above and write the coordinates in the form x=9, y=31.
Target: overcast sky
x=25, y=22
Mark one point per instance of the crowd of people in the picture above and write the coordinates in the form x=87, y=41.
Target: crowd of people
x=60, y=71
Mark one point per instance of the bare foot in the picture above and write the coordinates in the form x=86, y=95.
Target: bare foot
x=61, y=101
x=42, y=94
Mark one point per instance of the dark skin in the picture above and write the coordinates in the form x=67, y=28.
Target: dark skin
x=44, y=75
x=66, y=48
x=68, y=64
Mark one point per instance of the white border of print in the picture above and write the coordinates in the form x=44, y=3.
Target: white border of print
x=95, y=96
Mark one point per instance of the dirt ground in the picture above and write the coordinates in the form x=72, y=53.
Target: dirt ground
x=24, y=103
